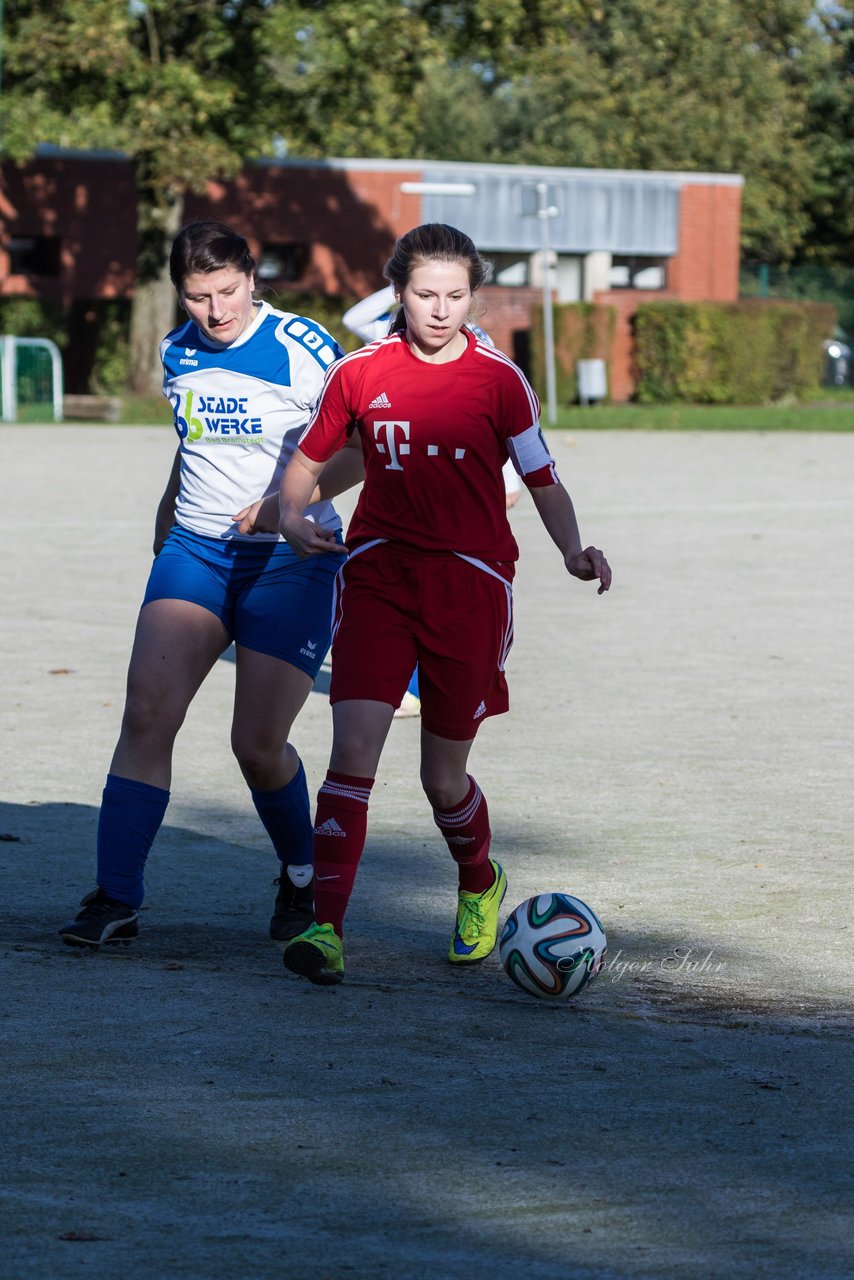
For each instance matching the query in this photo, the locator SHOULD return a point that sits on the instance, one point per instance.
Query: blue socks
(286, 815)
(131, 814)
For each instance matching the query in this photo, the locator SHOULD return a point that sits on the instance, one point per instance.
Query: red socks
(339, 837)
(466, 831)
(340, 828)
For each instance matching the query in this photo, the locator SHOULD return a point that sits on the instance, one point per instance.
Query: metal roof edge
(682, 177)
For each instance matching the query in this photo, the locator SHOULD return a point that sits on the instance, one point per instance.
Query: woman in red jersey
(428, 579)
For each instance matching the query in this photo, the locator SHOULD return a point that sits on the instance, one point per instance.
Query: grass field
(834, 411)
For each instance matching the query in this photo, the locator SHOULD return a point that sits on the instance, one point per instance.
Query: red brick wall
(705, 267)
(90, 204)
(505, 314)
(349, 221)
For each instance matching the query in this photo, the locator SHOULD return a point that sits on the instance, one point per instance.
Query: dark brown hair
(433, 242)
(207, 246)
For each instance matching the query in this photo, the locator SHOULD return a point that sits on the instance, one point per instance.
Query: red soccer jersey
(434, 440)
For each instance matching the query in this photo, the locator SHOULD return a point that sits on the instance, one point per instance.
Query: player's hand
(307, 538)
(589, 565)
(259, 517)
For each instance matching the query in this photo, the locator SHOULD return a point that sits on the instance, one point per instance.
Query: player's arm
(165, 517)
(298, 484)
(344, 470)
(362, 318)
(555, 509)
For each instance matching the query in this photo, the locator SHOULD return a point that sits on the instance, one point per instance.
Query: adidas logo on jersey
(481, 711)
(330, 828)
(381, 402)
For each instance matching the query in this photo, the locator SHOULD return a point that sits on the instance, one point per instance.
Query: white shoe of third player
(409, 706)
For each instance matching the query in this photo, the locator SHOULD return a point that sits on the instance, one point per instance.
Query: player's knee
(146, 716)
(257, 757)
(443, 790)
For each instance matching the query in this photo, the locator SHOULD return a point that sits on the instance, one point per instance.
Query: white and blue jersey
(239, 411)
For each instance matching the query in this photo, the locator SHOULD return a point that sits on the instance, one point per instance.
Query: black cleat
(294, 909)
(103, 919)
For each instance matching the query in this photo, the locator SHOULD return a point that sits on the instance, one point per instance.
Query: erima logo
(311, 651)
(381, 402)
(329, 828)
(481, 711)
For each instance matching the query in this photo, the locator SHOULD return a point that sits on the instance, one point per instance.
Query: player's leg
(360, 728)
(282, 624)
(269, 694)
(461, 814)
(175, 645)
(372, 659)
(460, 687)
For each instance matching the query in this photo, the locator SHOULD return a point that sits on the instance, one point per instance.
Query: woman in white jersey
(436, 411)
(242, 380)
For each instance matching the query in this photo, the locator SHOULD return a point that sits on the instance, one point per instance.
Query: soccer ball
(552, 946)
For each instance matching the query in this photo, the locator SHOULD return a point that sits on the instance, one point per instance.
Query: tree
(172, 83)
(657, 84)
(830, 125)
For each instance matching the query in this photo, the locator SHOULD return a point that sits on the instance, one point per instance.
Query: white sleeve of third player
(512, 483)
(369, 319)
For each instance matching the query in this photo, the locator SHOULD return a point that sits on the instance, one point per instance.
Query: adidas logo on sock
(381, 402)
(460, 839)
(330, 828)
(481, 711)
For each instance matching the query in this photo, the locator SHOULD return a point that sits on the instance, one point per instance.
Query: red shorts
(396, 607)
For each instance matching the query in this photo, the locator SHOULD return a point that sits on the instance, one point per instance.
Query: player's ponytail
(202, 247)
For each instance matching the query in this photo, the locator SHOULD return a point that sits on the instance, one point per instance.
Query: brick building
(68, 234)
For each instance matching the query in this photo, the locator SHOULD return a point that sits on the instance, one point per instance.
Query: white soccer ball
(552, 946)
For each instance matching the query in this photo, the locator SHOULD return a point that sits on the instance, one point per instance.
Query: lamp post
(544, 212)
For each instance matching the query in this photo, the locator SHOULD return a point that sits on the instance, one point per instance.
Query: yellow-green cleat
(477, 922)
(316, 954)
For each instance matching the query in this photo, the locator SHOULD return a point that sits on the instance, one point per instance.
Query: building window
(637, 273)
(511, 269)
(283, 262)
(34, 255)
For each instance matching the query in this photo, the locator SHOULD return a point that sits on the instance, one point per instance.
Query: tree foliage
(637, 84)
(192, 89)
(830, 128)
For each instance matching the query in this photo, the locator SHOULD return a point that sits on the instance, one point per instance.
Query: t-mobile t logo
(388, 441)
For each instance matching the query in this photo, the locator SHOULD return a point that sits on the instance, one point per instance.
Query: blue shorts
(266, 597)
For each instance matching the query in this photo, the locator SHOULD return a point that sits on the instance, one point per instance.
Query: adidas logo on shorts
(330, 828)
(381, 402)
(481, 711)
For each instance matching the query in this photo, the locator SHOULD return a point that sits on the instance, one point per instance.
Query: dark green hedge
(751, 352)
(583, 331)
